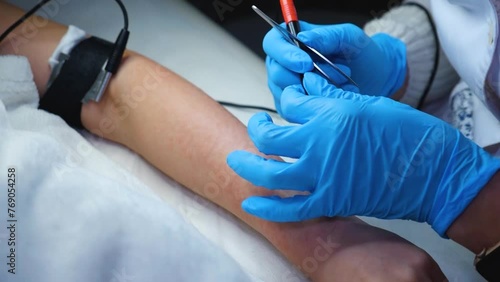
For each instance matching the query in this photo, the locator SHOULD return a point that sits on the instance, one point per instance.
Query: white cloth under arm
(80, 218)
(411, 25)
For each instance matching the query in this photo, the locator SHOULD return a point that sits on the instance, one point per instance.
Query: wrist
(462, 172)
(478, 227)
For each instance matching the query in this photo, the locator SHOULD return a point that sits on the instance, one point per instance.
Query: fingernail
(262, 116)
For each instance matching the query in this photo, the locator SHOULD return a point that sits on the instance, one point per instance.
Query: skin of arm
(187, 135)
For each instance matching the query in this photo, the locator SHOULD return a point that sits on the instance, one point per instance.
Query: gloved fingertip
(315, 84)
(231, 159)
(258, 206)
(248, 205)
(253, 206)
(233, 165)
(350, 88)
(257, 124)
(314, 78)
(260, 117)
(303, 62)
(297, 61)
(345, 69)
(296, 89)
(307, 36)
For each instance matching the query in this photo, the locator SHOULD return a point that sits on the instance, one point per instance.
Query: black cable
(23, 19)
(116, 56)
(247, 107)
(125, 14)
(436, 55)
(41, 4)
(120, 43)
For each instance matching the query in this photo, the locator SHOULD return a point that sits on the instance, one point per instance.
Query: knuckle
(411, 276)
(351, 27)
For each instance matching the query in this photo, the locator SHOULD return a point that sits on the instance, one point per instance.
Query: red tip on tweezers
(288, 10)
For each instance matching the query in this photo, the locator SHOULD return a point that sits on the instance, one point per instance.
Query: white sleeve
(411, 24)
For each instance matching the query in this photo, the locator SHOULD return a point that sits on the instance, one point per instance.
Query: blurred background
(237, 17)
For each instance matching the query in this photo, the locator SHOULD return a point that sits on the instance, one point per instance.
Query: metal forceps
(315, 55)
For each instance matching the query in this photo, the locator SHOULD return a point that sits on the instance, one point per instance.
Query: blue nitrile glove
(360, 155)
(377, 64)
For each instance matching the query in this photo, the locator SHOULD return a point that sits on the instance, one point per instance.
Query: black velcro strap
(65, 94)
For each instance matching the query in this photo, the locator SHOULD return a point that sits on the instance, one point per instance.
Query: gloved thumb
(297, 107)
(286, 54)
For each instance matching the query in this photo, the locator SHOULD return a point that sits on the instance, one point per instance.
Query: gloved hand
(377, 64)
(360, 155)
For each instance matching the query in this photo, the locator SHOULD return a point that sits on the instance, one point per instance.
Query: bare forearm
(184, 133)
(478, 227)
(34, 40)
(187, 135)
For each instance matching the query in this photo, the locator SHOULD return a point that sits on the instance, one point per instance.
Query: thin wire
(125, 14)
(23, 19)
(436, 55)
(41, 4)
(247, 107)
(125, 18)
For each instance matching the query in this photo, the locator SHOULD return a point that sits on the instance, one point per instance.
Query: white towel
(79, 216)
